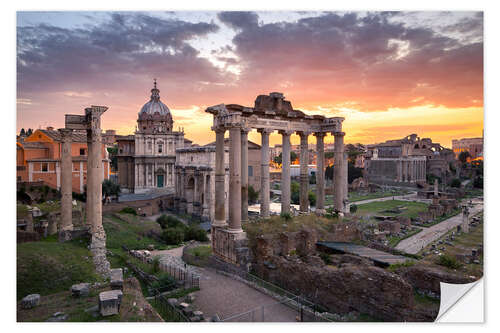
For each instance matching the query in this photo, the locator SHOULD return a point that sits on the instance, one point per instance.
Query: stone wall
(147, 207)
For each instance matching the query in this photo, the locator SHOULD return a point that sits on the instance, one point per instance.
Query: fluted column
(304, 174)
(320, 173)
(235, 179)
(264, 174)
(244, 175)
(66, 180)
(338, 184)
(285, 172)
(220, 175)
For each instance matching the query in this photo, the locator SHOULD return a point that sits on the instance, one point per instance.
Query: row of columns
(238, 175)
(411, 171)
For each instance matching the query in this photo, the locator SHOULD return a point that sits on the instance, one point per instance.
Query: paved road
(428, 235)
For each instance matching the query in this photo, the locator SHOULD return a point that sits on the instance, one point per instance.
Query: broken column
(304, 172)
(285, 172)
(320, 173)
(66, 185)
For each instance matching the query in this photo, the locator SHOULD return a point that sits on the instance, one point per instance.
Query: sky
(389, 74)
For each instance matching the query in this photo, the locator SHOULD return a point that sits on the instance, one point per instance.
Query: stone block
(109, 302)
(188, 311)
(117, 278)
(30, 301)
(80, 289)
(172, 301)
(183, 305)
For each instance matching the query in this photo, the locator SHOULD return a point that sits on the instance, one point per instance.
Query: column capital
(265, 131)
(285, 132)
(65, 133)
(245, 130)
(339, 134)
(320, 134)
(304, 133)
(218, 129)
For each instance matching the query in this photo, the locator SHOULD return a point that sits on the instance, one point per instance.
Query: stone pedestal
(230, 247)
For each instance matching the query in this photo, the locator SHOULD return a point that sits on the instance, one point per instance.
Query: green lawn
(409, 208)
(132, 231)
(47, 266)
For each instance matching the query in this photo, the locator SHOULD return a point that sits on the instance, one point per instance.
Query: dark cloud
(110, 53)
(368, 58)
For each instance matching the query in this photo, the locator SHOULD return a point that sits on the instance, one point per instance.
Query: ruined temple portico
(270, 113)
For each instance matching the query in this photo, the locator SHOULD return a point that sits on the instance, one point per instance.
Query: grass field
(47, 266)
(409, 209)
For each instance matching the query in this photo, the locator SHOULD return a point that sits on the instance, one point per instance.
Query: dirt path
(428, 235)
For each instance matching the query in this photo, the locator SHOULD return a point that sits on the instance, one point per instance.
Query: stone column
(220, 174)
(244, 175)
(94, 189)
(235, 179)
(345, 182)
(320, 173)
(338, 184)
(285, 172)
(264, 174)
(66, 180)
(304, 174)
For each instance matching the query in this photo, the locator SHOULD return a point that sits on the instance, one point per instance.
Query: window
(82, 151)
(45, 167)
(160, 148)
(150, 146)
(250, 171)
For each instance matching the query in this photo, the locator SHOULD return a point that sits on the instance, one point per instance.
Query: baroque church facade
(146, 160)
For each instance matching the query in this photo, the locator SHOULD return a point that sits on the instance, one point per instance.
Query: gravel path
(226, 297)
(428, 235)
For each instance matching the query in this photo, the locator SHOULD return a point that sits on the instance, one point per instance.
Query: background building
(39, 158)
(472, 145)
(146, 160)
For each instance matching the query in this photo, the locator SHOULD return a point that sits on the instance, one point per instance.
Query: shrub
(172, 222)
(455, 183)
(195, 233)
(156, 264)
(353, 208)
(478, 182)
(128, 210)
(253, 195)
(312, 198)
(449, 261)
(286, 216)
(165, 283)
(173, 236)
(326, 258)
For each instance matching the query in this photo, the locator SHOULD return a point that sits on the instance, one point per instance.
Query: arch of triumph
(270, 113)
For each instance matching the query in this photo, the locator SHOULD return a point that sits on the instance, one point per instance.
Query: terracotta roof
(33, 145)
(78, 136)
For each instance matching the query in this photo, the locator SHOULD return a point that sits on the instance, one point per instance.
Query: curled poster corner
(461, 303)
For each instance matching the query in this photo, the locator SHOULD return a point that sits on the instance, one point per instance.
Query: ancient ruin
(91, 122)
(270, 113)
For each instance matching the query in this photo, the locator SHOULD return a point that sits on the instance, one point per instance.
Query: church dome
(154, 105)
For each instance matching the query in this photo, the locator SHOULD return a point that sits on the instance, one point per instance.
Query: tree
(23, 132)
(253, 195)
(463, 156)
(295, 193)
(279, 159)
(113, 152)
(109, 188)
(312, 198)
(455, 183)
(29, 132)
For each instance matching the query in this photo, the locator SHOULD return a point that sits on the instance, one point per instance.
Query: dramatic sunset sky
(389, 74)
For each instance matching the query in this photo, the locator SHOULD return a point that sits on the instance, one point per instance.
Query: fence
(306, 311)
